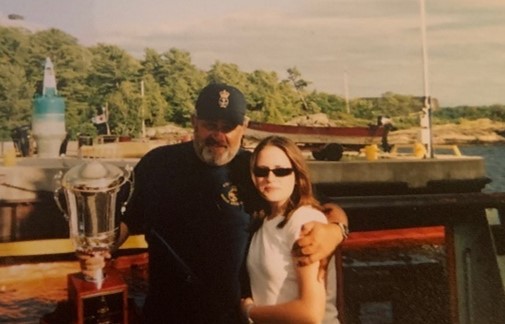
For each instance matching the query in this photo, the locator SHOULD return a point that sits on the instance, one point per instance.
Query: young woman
(282, 291)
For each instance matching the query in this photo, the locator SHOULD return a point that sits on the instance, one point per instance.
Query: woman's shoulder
(305, 214)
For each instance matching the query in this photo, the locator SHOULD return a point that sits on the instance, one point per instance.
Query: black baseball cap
(221, 101)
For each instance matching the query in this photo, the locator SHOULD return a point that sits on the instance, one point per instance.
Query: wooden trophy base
(92, 304)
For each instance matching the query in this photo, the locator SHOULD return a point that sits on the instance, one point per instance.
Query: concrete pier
(28, 210)
(400, 176)
(30, 176)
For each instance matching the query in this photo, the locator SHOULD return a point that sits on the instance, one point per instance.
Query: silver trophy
(91, 192)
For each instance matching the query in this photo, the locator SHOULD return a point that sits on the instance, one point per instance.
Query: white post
(426, 135)
(346, 91)
(142, 109)
(105, 111)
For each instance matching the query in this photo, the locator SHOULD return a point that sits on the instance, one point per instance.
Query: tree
(270, 100)
(153, 103)
(300, 84)
(68, 57)
(15, 90)
(15, 105)
(362, 108)
(179, 81)
(124, 109)
(110, 67)
(330, 104)
(13, 46)
(227, 73)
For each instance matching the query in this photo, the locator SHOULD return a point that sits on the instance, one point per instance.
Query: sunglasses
(262, 172)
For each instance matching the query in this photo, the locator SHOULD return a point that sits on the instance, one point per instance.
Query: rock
(320, 119)
(467, 132)
(171, 132)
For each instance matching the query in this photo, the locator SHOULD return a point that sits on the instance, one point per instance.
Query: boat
(326, 142)
(420, 239)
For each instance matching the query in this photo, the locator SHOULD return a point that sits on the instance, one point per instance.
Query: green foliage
(13, 46)
(227, 73)
(106, 75)
(15, 90)
(179, 82)
(327, 103)
(153, 104)
(300, 84)
(270, 100)
(110, 66)
(453, 115)
(125, 110)
(15, 105)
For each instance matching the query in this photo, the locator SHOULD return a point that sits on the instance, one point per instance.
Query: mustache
(209, 141)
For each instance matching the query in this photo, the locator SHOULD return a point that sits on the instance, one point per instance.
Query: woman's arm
(309, 307)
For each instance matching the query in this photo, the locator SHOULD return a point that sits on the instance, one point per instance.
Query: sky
(354, 48)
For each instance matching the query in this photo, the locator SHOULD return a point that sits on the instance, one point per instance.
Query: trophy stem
(97, 278)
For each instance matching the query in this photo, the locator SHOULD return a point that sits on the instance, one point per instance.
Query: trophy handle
(57, 193)
(129, 178)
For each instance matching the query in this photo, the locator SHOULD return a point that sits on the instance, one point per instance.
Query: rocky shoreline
(480, 131)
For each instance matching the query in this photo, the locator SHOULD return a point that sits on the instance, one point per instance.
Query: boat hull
(325, 143)
(345, 136)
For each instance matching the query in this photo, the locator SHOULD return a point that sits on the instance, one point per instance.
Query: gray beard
(206, 155)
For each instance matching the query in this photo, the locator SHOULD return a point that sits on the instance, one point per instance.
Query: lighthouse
(48, 118)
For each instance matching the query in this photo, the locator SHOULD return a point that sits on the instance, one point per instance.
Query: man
(191, 200)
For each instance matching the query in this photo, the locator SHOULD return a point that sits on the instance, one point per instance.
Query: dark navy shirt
(197, 211)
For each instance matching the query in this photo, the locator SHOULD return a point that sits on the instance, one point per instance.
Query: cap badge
(224, 100)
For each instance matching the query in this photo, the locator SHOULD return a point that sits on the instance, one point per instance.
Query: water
(493, 155)
(28, 292)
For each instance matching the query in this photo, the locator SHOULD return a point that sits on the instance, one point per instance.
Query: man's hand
(318, 241)
(91, 263)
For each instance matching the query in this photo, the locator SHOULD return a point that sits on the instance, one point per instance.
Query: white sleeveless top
(270, 264)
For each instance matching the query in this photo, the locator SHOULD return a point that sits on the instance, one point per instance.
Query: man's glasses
(262, 172)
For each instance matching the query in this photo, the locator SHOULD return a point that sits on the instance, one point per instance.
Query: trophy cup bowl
(91, 197)
(91, 193)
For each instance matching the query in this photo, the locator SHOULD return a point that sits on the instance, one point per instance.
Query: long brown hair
(302, 193)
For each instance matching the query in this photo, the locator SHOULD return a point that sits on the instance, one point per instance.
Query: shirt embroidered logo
(231, 197)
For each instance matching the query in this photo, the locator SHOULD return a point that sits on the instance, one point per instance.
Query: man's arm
(318, 241)
(335, 213)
